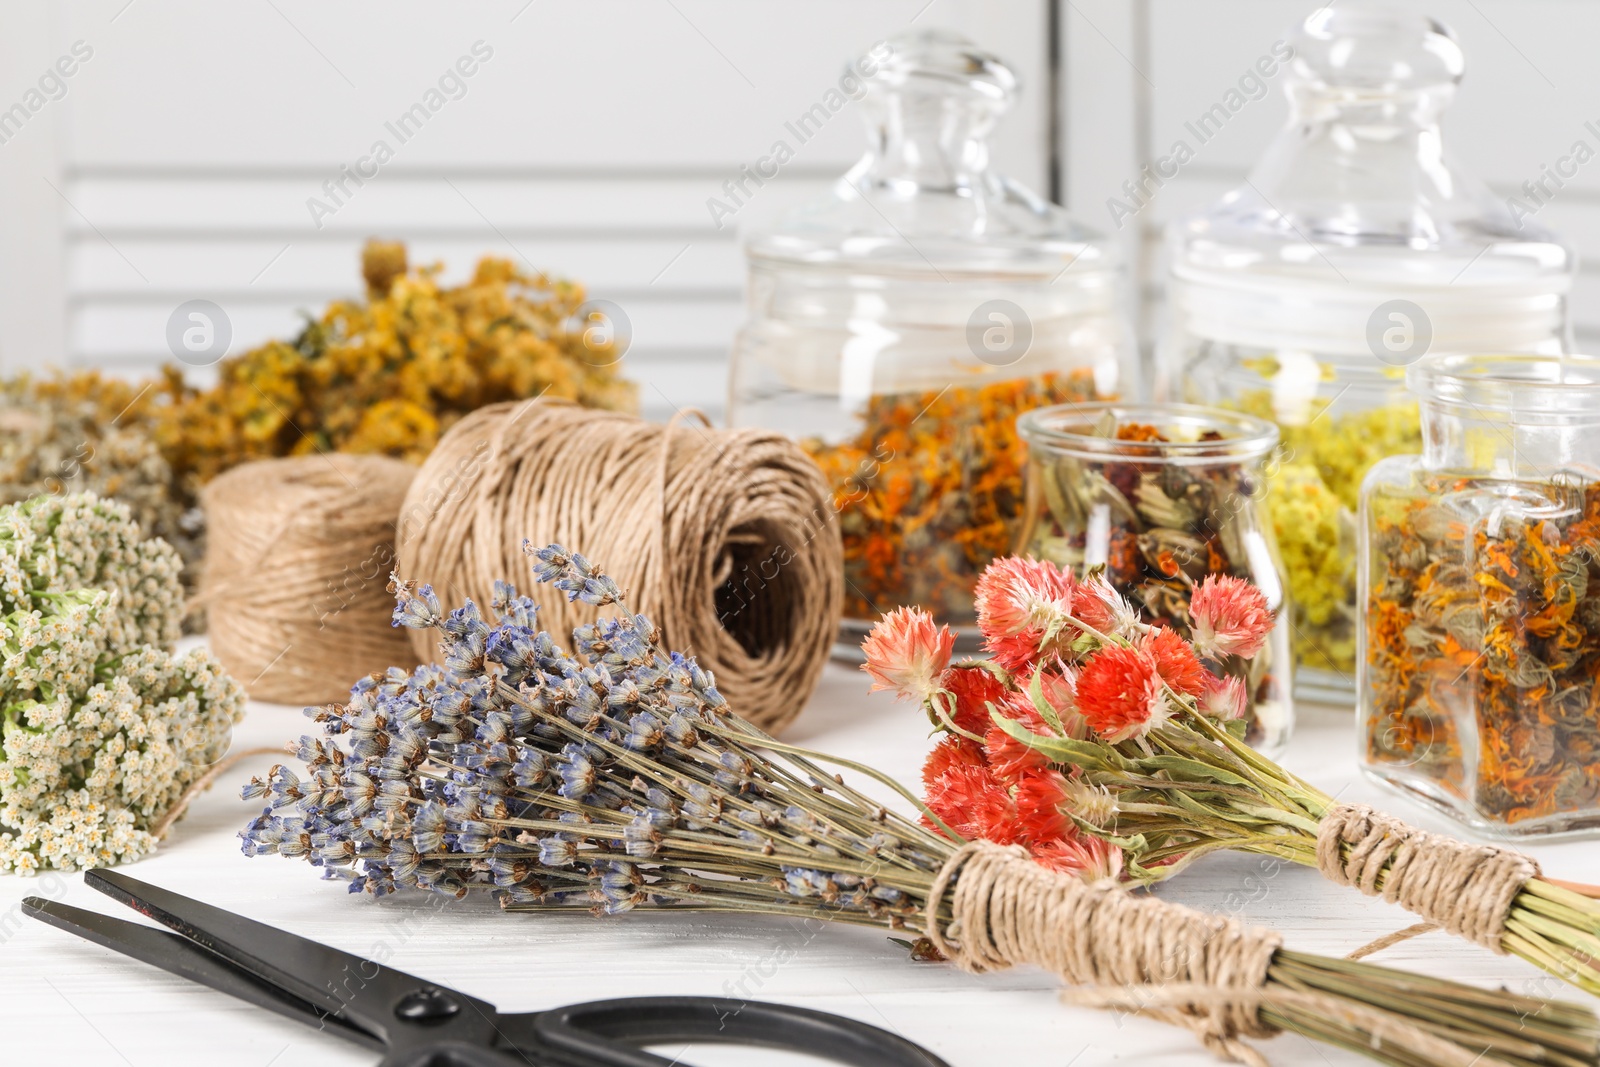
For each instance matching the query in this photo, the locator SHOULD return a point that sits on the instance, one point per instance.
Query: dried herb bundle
(390, 374)
(615, 778)
(1140, 748)
(102, 729)
(85, 433)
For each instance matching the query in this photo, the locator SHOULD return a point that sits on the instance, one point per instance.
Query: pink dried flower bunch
(1072, 662)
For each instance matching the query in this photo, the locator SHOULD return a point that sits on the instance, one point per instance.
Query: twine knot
(1201, 971)
(1465, 888)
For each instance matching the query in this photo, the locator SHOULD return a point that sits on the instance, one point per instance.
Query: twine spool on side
(295, 582)
(724, 538)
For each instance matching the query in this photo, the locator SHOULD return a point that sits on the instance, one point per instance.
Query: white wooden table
(65, 1001)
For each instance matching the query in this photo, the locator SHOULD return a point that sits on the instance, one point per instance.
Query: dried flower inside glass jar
(1158, 498)
(1480, 643)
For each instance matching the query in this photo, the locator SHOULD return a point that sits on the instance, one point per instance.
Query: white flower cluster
(101, 728)
(55, 544)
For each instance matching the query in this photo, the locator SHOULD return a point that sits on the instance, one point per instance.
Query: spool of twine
(295, 581)
(724, 538)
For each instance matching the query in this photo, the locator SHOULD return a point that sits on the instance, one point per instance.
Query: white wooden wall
(1136, 70)
(178, 163)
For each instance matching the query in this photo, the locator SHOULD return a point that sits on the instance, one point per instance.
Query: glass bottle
(1354, 246)
(899, 325)
(1480, 592)
(1160, 496)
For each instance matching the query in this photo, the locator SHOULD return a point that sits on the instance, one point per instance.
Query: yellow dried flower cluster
(392, 373)
(1312, 501)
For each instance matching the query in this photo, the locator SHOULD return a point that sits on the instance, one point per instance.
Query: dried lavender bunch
(609, 779)
(615, 777)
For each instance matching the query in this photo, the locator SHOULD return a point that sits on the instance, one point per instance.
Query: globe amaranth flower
(1224, 699)
(1041, 799)
(1021, 604)
(1100, 606)
(951, 752)
(1120, 694)
(907, 653)
(1174, 660)
(974, 803)
(970, 692)
(1229, 617)
(1091, 858)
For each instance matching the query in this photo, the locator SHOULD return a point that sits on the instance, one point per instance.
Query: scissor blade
(184, 958)
(353, 988)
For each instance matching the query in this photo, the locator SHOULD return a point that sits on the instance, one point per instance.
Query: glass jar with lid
(1480, 594)
(1157, 497)
(898, 326)
(1354, 246)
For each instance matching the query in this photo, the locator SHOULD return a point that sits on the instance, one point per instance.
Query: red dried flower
(1039, 796)
(1018, 602)
(906, 653)
(1229, 616)
(974, 804)
(951, 752)
(1120, 695)
(1086, 857)
(974, 689)
(1010, 758)
(1007, 756)
(1175, 661)
(1058, 684)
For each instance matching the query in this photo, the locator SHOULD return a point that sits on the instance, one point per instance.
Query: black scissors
(417, 1024)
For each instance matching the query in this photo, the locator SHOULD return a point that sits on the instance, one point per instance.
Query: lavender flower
(610, 778)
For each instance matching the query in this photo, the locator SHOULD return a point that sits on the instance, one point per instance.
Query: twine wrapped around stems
(1464, 888)
(1205, 972)
(726, 538)
(296, 572)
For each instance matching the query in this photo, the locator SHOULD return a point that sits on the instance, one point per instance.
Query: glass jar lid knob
(929, 109)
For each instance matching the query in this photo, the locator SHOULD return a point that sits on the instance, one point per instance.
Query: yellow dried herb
(391, 373)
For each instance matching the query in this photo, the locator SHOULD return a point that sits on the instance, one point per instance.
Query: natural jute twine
(1008, 910)
(1135, 953)
(296, 572)
(1466, 889)
(724, 538)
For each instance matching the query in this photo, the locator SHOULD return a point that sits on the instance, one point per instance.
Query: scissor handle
(452, 1054)
(609, 1033)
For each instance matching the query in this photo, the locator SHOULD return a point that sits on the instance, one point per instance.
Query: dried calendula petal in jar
(1156, 499)
(929, 491)
(1480, 588)
(1483, 643)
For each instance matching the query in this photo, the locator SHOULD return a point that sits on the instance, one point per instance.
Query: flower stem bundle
(615, 777)
(1097, 741)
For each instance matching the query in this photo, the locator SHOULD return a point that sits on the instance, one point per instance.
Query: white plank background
(587, 146)
(65, 1001)
(1138, 69)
